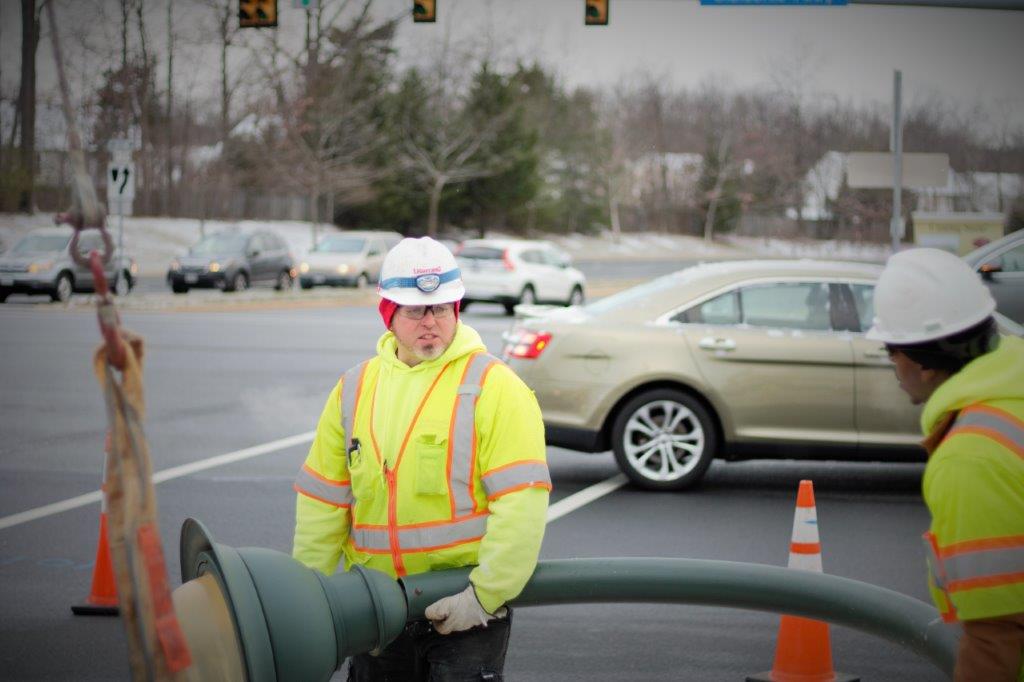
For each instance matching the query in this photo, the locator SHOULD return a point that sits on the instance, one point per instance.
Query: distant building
(967, 191)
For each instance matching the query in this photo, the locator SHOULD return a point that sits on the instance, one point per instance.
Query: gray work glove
(458, 612)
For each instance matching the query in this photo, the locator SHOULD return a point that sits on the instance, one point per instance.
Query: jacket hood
(998, 375)
(466, 341)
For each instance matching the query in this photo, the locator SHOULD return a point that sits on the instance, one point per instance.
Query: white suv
(512, 271)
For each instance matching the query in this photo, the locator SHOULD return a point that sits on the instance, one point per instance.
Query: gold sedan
(736, 360)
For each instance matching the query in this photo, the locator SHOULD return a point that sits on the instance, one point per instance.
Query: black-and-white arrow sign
(121, 180)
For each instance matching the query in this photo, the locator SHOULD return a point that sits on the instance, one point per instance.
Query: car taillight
(527, 345)
(507, 260)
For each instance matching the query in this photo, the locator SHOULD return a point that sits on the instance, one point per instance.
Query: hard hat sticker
(428, 283)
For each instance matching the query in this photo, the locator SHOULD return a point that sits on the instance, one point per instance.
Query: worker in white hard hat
(934, 316)
(429, 456)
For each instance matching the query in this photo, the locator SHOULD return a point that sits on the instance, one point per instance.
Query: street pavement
(219, 382)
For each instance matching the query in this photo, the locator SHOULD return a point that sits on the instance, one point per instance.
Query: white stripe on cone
(805, 531)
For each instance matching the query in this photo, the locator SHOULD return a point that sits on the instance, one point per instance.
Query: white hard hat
(925, 295)
(420, 272)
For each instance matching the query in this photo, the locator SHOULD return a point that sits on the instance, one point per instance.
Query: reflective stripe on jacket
(974, 488)
(463, 482)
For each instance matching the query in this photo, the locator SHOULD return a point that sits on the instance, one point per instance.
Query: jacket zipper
(396, 554)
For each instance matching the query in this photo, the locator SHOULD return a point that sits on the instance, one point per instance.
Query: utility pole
(896, 147)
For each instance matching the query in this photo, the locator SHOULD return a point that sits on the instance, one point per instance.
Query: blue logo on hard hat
(428, 283)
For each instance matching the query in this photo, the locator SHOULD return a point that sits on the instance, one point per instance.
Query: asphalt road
(220, 382)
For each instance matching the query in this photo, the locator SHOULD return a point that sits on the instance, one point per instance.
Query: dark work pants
(420, 654)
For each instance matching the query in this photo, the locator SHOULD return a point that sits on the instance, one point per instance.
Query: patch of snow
(153, 241)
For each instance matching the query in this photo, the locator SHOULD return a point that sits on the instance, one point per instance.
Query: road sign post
(896, 230)
(120, 191)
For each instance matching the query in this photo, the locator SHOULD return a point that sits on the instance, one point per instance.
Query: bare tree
(323, 132)
(27, 103)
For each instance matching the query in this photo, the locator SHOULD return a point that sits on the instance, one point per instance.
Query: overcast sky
(971, 57)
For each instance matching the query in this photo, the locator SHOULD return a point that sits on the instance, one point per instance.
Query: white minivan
(513, 271)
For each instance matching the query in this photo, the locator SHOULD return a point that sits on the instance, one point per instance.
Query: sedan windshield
(340, 245)
(637, 295)
(220, 243)
(41, 243)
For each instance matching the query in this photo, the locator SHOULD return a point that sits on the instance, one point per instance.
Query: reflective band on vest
(466, 523)
(312, 484)
(463, 434)
(986, 563)
(1002, 427)
(421, 538)
(938, 573)
(516, 476)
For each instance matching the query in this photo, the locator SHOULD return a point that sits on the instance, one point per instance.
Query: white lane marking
(158, 477)
(555, 511)
(585, 496)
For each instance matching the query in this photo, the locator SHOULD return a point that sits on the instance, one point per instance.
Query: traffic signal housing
(257, 13)
(596, 12)
(424, 11)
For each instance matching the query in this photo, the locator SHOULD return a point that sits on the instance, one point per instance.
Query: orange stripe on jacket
(521, 486)
(1006, 542)
(986, 581)
(295, 486)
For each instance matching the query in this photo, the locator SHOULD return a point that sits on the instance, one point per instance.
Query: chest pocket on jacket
(431, 455)
(366, 475)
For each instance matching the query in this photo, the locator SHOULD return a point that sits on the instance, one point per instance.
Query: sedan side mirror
(253, 253)
(989, 269)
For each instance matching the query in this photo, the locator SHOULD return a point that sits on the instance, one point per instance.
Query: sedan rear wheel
(664, 439)
(576, 297)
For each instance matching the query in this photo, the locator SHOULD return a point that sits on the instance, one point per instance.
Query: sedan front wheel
(664, 439)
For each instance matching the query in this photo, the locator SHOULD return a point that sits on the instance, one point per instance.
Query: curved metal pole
(893, 616)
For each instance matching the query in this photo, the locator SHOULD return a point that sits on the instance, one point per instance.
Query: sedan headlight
(175, 265)
(342, 269)
(213, 267)
(40, 266)
(304, 268)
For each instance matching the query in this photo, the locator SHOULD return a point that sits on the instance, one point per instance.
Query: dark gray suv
(233, 261)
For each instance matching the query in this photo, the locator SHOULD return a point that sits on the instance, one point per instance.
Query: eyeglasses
(418, 312)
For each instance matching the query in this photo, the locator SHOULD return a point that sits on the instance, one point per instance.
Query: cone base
(95, 610)
(770, 677)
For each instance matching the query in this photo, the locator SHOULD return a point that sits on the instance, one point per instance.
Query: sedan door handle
(877, 354)
(712, 343)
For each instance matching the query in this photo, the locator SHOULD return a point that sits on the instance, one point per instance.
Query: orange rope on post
(157, 649)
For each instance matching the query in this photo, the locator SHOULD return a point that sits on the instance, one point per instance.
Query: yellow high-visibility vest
(465, 485)
(974, 487)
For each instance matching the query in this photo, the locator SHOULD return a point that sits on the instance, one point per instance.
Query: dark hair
(951, 353)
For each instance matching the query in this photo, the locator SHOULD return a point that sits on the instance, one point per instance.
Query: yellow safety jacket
(422, 468)
(974, 487)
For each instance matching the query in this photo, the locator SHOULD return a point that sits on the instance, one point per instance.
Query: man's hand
(458, 612)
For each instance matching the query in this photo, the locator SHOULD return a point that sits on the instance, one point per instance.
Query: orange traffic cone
(102, 599)
(803, 652)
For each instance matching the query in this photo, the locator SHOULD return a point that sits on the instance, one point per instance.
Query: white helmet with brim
(420, 272)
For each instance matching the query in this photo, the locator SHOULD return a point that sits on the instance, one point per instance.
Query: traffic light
(257, 13)
(596, 12)
(424, 11)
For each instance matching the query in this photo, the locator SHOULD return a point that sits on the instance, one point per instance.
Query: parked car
(346, 259)
(1001, 266)
(735, 360)
(41, 263)
(233, 261)
(512, 271)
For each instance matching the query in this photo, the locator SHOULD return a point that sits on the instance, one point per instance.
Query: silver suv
(41, 263)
